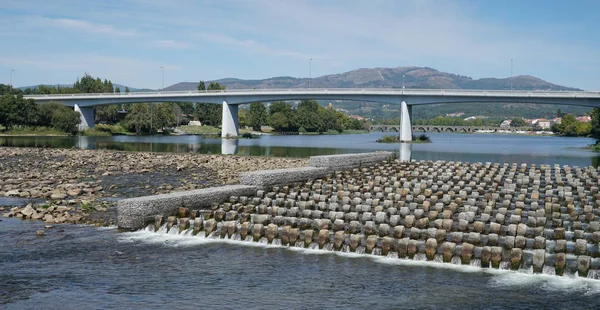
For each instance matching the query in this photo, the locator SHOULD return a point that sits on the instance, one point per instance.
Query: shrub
(389, 139)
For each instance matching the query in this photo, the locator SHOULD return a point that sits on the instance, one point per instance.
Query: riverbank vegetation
(571, 127)
(423, 138)
(20, 116)
(23, 116)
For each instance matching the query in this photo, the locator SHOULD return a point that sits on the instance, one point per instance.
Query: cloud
(261, 38)
(169, 44)
(77, 25)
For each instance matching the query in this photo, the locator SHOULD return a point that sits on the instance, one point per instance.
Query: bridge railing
(382, 91)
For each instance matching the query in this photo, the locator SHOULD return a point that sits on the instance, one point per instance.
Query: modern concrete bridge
(404, 98)
(440, 128)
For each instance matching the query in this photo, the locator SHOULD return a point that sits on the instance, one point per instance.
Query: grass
(594, 147)
(354, 131)
(93, 132)
(34, 131)
(200, 130)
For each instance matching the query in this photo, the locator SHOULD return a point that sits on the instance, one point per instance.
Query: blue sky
(128, 41)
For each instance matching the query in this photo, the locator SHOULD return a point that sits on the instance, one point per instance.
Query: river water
(446, 146)
(84, 267)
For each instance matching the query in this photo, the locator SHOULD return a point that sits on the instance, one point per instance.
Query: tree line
(16, 111)
(281, 116)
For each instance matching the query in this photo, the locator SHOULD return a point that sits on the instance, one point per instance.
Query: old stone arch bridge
(440, 128)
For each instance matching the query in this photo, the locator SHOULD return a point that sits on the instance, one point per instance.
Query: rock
(430, 248)
(538, 260)
(355, 241)
(28, 211)
(11, 193)
(74, 192)
(449, 250)
(323, 238)
(580, 247)
(516, 255)
(40, 233)
(584, 263)
(58, 196)
(48, 218)
(467, 253)
(338, 240)
(210, 226)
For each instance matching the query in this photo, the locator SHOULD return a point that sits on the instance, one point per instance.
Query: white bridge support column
(87, 117)
(229, 127)
(405, 152)
(405, 122)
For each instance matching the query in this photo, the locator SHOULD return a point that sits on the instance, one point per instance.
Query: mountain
(411, 77)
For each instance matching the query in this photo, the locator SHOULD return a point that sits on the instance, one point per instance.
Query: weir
(532, 219)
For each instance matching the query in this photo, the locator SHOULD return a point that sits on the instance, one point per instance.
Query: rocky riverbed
(81, 186)
(541, 219)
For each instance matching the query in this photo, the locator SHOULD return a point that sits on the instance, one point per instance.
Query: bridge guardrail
(382, 91)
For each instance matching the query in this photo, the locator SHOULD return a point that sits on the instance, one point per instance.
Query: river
(84, 267)
(531, 149)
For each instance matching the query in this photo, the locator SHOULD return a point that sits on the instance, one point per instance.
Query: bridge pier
(87, 117)
(229, 127)
(405, 122)
(405, 152)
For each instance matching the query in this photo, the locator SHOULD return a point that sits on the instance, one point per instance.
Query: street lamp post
(309, 72)
(10, 80)
(511, 75)
(403, 81)
(162, 85)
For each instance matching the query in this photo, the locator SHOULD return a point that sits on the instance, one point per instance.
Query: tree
(138, 119)
(279, 121)
(177, 114)
(66, 120)
(45, 112)
(87, 84)
(257, 115)
(243, 119)
(126, 90)
(595, 124)
(163, 117)
(215, 86)
(209, 114)
(117, 90)
(518, 122)
(107, 113)
(201, 86)
(187, 108)
(307, 116)
(309, 105)
(279, 106)
(15, 110)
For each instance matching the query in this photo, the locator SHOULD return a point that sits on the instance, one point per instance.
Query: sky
(141, 43)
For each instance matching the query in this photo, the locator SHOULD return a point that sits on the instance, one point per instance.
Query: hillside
(413, 77)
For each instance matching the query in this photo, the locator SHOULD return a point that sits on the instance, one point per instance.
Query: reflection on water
(444, 146)
(229, 146)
